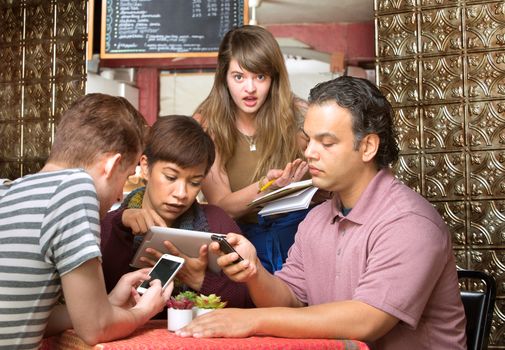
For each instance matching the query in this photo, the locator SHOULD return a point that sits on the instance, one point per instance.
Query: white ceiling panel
(313, 11)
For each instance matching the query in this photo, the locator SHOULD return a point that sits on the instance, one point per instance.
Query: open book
(295, 196)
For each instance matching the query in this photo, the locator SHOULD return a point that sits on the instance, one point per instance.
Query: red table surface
(155, 336)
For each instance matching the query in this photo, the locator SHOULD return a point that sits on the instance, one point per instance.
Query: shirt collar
(368, 200)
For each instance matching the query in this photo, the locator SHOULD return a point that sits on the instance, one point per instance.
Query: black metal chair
(478, 308)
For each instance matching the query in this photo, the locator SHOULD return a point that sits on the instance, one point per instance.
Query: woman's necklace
(251, 141)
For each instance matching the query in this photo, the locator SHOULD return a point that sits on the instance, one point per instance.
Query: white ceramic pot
(200, 311)
(177, 319)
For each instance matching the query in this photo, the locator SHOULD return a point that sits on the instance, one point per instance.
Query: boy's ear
(369, 147)
(144, 167)
(112, 163)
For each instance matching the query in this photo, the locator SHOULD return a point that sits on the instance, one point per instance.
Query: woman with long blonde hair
(254, 120)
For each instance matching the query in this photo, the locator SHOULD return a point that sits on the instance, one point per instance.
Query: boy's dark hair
(179, 139)
(370, 110)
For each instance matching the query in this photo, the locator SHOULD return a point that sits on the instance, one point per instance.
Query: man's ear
(369, 147)
(112, 163)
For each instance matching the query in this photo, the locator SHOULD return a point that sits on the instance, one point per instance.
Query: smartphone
(164, 270)
(225, 246)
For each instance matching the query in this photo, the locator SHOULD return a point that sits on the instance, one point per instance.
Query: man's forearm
(349, 319)
(267, 290)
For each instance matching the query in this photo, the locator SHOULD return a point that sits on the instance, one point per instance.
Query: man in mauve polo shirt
(374, 263)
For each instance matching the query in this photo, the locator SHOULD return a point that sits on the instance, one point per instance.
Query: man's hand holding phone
(226, 247)
(240, 262)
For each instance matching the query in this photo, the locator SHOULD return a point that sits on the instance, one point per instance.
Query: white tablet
(187, 241)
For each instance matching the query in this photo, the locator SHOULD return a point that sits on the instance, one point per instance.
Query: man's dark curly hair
(370, 110)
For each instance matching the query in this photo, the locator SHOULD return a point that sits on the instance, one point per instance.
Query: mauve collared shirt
(392, 251)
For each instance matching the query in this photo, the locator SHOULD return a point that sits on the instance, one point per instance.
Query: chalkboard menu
(167, 28)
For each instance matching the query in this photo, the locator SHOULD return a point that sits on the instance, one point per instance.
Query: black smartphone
(225, 246)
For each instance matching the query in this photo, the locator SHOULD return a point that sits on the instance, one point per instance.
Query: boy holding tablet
(178, 156)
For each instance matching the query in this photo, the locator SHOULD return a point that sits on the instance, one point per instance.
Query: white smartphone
(165, 270)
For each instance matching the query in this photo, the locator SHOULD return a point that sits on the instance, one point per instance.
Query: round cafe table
(155, 336)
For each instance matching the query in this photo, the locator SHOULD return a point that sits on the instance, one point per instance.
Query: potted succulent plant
(207, 303)
(187, 295)
(191, 296)
(180, 310)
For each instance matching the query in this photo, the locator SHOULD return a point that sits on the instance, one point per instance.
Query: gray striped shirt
(49, 225)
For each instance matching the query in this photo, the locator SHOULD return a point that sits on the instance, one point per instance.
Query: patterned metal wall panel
(408, 125)
(487, 174)
(484, 26)
(10, 56)
(443, 128)
(384, 6)
(454, 214)
(442, 79)
(487, 223)
(42, 71)
(398, 35)
(441, 63)
(486, 124)
(441, 30)
(485, 75)
(12, 22)
(444, 176)
(399, 82)
(9, 145)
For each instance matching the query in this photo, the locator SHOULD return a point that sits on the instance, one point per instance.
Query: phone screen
(163, 271)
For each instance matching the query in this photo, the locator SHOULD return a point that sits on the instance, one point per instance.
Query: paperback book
(295, 196)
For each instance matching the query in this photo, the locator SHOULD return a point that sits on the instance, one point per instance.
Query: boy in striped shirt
(49, 232)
